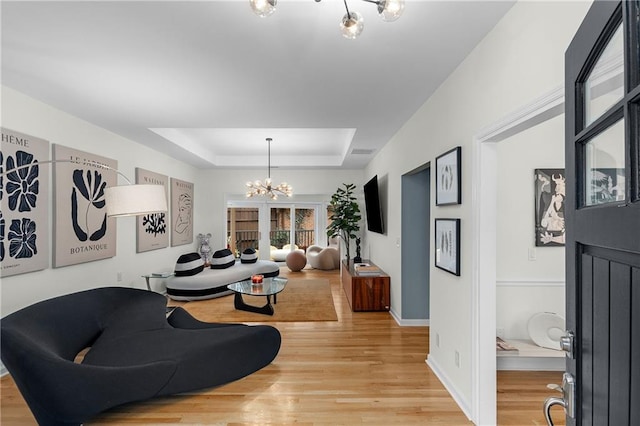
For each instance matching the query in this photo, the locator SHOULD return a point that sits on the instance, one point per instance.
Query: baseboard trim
(444, 379)
(409, 322)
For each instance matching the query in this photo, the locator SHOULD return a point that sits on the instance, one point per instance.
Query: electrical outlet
(119, 276)
(437, 340)
(457, 358)
(533, 256)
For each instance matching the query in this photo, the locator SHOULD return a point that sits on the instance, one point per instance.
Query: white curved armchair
(326, 258)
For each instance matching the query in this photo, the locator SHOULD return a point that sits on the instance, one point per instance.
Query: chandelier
(352, 23)
(266, 187)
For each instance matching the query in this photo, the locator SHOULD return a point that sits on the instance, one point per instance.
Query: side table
(156, 275)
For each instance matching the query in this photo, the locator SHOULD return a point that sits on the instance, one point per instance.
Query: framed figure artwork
(549, 201)
(604, 185)
(82, 231)
(181, 212)
(447, 245)
(152, 230)
(448, 177)
(24, 203)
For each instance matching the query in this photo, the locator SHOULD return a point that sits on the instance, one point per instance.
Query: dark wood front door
(602, 212)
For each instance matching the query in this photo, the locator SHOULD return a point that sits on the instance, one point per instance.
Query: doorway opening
(484, 239)
(416, 196)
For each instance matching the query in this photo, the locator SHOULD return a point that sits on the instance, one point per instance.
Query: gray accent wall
(416, 193)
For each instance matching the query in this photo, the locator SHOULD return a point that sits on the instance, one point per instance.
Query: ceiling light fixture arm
(269, 159)
(380, 3)
(347, 8)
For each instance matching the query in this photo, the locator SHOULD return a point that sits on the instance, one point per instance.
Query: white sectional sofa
(211, 283)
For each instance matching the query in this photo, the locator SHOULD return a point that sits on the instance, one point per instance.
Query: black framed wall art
(448, 177)
(549, 201)
(447, 245)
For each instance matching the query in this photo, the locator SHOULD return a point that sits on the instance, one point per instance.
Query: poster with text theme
(181, 212)
(82, 231)
(152, 230)
(24, 204)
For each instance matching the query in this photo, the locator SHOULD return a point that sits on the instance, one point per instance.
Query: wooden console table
(365, 292)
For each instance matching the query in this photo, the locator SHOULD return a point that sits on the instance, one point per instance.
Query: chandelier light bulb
(263, 8)
(390, 10)
(351, 25)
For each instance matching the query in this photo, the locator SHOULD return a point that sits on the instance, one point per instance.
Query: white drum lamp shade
(133, 200)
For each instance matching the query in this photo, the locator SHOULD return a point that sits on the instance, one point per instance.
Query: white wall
(212, 187)
(518, 61)
(526, 285)
(24, 114)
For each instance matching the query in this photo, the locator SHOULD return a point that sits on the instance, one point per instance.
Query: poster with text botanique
(82, 230)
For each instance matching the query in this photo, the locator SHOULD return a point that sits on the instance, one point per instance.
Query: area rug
(301, 300)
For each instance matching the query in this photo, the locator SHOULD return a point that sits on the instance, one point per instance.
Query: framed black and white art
(24, 203)
(447, 247)
(82, 231)
(152, 230)
(549, 202)
(181, 212)
(448, 177)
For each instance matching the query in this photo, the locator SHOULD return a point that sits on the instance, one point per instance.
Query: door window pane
(242, 229)
(605, 85)
(280, 231)
(305, 228)
(605, 166)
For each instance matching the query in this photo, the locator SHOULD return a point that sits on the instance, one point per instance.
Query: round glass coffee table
(269, 287)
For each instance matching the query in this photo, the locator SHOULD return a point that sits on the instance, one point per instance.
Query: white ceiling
(207, 81)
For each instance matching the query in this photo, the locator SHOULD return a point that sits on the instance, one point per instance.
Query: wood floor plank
(361, 369)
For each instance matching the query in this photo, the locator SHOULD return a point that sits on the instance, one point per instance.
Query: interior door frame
(484, 180)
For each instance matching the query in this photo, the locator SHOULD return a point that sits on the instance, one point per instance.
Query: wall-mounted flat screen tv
(372, 206)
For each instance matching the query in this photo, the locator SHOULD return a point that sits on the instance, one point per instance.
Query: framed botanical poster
(447, 235)
(448, 177)
(152, 230)
(549, 201)
(82, 231)
(24, 203)
(181, 212)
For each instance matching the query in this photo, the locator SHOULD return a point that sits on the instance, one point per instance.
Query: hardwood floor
(361, 369)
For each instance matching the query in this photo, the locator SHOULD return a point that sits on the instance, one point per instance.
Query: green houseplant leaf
(345, 219)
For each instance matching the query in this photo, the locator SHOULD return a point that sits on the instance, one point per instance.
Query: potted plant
(345, 219)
